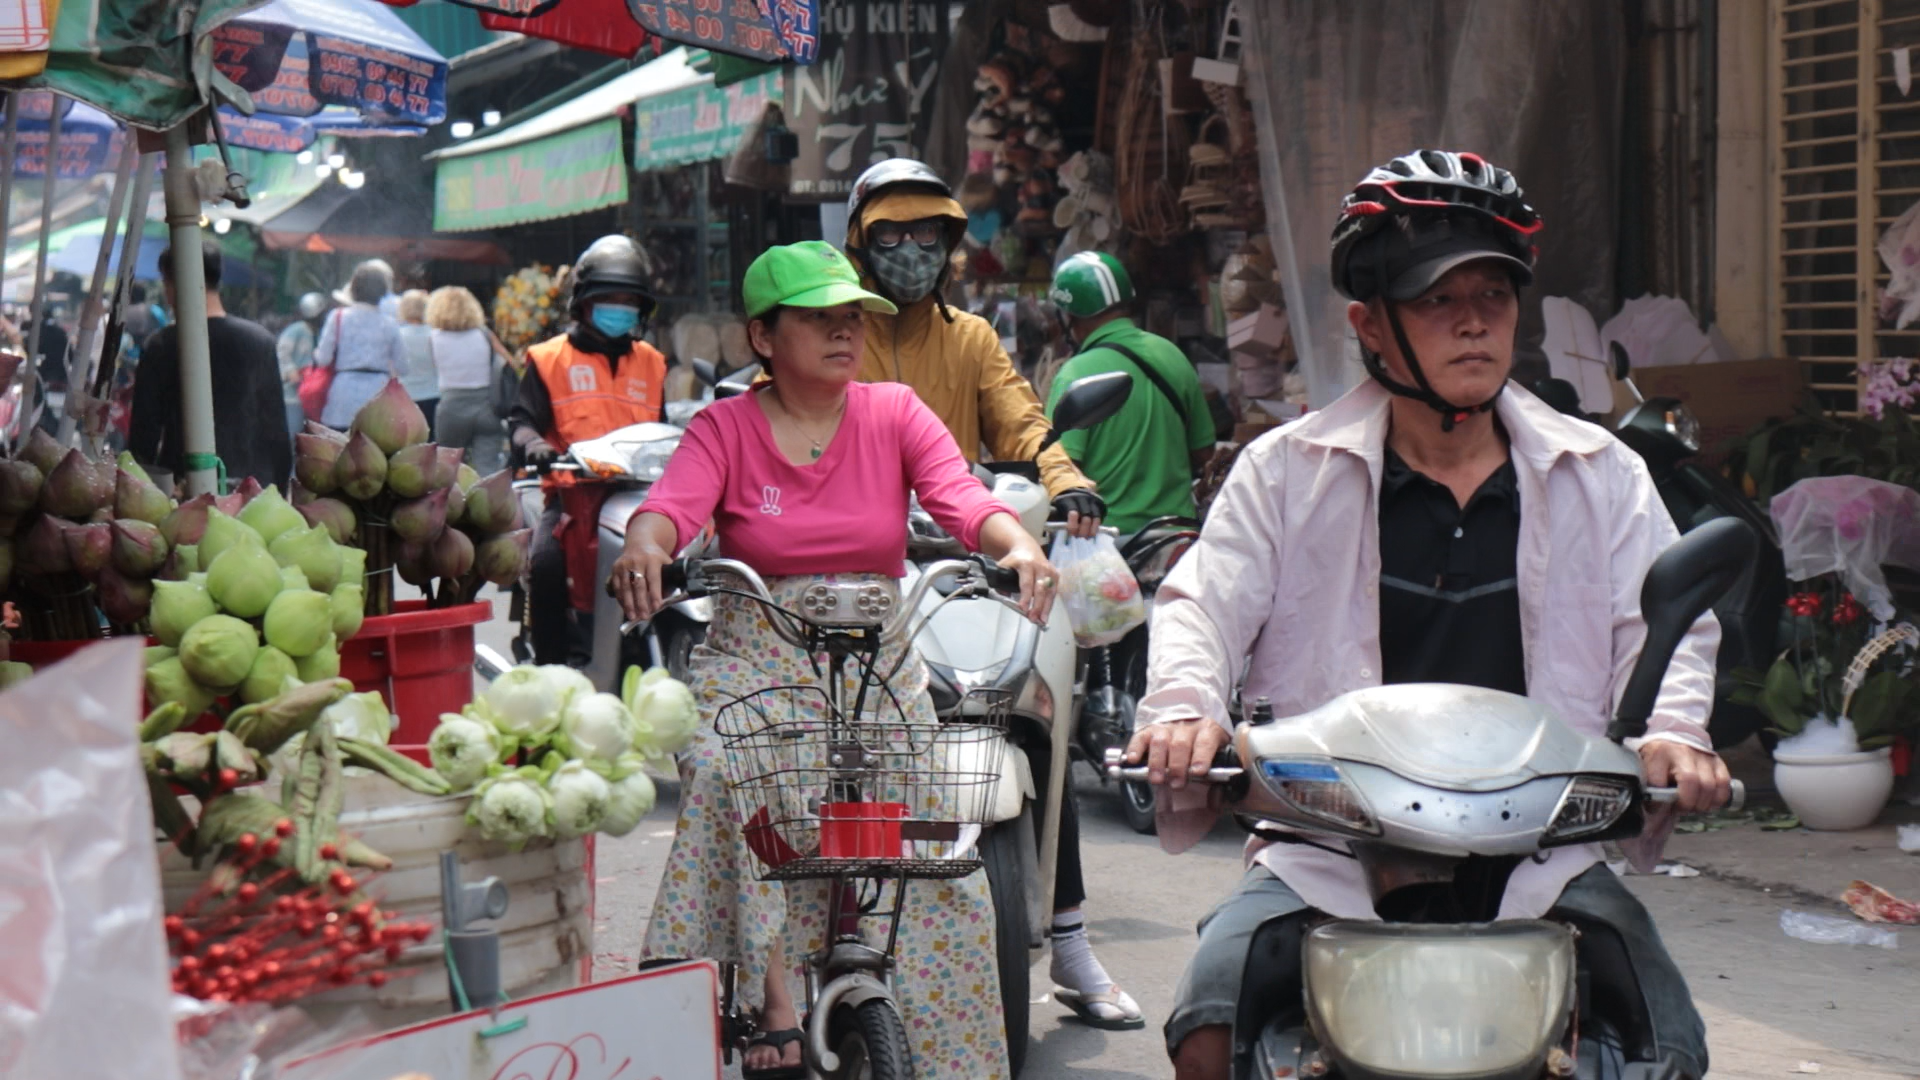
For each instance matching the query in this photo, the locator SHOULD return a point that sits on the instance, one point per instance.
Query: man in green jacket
(1144, 458)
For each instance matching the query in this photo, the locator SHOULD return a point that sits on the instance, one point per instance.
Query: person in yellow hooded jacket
(902, 226)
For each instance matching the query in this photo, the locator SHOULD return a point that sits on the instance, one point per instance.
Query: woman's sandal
(1111, 1010)
(777, 1040)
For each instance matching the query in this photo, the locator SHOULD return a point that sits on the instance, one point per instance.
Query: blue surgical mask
(615, 320)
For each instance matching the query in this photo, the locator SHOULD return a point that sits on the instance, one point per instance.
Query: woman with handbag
(360, 349)
(465, 354)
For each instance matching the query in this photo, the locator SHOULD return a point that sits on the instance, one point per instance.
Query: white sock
(1074, 965)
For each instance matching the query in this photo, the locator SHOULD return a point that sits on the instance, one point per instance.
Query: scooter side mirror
(1560, 394)
(1088, 402)
(1622, 367)
(704, 371)
(737, 383)
(1681, 585)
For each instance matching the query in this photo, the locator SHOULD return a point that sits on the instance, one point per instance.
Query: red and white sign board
(24, 26)
(658, 1025)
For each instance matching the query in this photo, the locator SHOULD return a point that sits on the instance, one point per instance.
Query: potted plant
(1838, 696)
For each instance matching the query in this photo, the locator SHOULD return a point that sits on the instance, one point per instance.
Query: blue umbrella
(266, 131)
(347, 124)
(89, 143)
(355, 53)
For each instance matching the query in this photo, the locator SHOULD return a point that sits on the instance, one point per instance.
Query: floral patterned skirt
(712, 904)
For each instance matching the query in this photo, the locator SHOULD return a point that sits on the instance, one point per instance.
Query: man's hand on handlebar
(1699, 776)
(1176, 750)
(539, 454)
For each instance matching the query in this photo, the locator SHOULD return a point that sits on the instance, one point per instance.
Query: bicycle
(853, 793)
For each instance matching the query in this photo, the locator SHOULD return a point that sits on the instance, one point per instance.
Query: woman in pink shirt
(805, 479)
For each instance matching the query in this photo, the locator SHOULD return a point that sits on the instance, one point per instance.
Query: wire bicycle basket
(823, 792)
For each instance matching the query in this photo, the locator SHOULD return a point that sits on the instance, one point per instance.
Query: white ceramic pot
(1835, 792)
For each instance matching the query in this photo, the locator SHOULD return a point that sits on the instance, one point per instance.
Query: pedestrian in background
(422, 384)
(294, 348)
(245, 376)
(466, 355)
(361, 345)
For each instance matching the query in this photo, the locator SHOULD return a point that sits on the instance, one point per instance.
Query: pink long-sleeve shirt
(844, 513)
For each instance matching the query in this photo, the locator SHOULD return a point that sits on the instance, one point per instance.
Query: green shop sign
(699, 123)
(552, 177)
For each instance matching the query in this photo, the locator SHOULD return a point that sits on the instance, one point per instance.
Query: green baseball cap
(810, 274)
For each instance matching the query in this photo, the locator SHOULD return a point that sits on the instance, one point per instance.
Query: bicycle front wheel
(871, 1042)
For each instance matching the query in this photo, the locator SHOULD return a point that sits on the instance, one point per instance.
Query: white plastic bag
(85, 989)
(1852, 526)
(1100, 594)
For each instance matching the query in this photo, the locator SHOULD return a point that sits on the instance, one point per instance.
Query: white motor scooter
(982, 644)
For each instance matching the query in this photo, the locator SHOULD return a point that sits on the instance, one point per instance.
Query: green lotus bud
(139, 550)
(299, 621)
(314, 552)
(299, 494)
(421, 520)
(492, 505)
(135, 498)
(42, 450)
(168, 681)
(321, 663)
(456, 505)
(361, 470)
(76, 488)
(323, 431)
(334, 516)
(268, 676)
(188, 522)
(348, 607)
(353, 566)
(218, 651)
(313, 458)
(43, 549)
(178, 605)
(503, 559)
(156, 653)
(123, 600)
(410, 470)
(391, 420)
(465, 477)
(451, 555)
(223, 532)
(19, 486)
(270, 515)
(181, 561)
(13, 671)
(244, 580)
(126, 464)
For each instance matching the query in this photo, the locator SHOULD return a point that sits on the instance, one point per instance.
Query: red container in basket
(861, 830)
(420, 659)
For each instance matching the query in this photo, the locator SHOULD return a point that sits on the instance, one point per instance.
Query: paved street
(1771, 1002)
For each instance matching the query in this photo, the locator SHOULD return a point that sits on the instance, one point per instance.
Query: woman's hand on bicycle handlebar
(636, 573)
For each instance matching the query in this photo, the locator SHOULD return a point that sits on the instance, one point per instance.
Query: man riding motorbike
(1146, 455)
(902, 225)
(1433, 525)
(596, 377)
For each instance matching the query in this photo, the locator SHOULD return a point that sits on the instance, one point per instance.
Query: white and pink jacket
(1284, 584)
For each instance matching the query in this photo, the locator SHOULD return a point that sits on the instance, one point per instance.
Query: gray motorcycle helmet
(313, 305)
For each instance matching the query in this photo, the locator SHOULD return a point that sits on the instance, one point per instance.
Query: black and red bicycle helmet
(1408, 222)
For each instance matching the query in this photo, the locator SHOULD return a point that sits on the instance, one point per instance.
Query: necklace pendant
(816, 453)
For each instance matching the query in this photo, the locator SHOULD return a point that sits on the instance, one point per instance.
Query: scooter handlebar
(1736, 799)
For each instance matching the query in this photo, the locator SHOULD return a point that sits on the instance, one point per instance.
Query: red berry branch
(260, 942)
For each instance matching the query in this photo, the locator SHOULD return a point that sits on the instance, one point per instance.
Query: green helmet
(1089, 283)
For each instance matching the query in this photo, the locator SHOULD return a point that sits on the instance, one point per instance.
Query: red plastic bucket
(420, 659)
(861, 830)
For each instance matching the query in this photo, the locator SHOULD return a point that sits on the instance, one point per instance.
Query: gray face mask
(907, 270)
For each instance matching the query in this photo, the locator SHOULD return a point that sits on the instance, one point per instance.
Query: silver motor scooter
(1438, 792)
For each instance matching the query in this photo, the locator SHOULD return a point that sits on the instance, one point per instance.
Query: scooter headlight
(1590, 805)
(1684, 426)
(1318, 789)
(650, 459)
(1439, 1001)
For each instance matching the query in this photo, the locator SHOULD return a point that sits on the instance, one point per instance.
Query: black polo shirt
(1449, 591)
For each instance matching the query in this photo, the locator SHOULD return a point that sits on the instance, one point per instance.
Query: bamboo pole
(80, 357)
